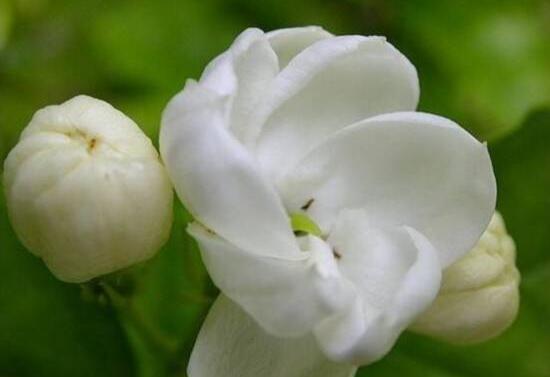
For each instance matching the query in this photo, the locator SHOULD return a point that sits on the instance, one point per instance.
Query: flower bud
(479, 297)
(86, 191)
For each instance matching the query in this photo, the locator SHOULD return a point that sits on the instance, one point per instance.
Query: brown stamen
(308, 204)
(91, 144)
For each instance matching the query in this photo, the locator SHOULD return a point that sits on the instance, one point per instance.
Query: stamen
(91, 144)
(308, 204)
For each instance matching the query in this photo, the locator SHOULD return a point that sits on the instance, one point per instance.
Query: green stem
(137, 319)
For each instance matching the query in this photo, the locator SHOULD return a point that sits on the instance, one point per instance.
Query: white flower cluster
(331, 214)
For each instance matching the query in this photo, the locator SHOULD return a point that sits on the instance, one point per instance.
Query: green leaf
(522, 167)
(174, 294)
(483, 64)
(46, 328)
(160, 44)
(5, 22)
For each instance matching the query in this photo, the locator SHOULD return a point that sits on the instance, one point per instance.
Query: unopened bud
(479, 297)
(86, 191)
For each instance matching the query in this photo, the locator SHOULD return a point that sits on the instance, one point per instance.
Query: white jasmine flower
(479, 296)
(299, 128)
(86, 191)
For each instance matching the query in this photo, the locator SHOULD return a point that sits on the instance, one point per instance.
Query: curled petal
(329, 85)
(217, 179)
(243, 73)
(407, 168)
(231, 344)
(289, 42)
(396, 273)
(286, 297)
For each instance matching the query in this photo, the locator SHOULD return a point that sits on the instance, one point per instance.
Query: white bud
(86, 191)
(479, 297)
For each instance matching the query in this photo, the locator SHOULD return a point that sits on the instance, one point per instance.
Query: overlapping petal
(231, 344)
(243, 73)
(329, 85)
(217, 179)
(289, 42)
(397, 275)
(287, 297)
(408, 168)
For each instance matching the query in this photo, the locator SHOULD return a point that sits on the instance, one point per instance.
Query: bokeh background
(485, 64)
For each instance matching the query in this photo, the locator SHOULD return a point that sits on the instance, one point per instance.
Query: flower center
(303, 225)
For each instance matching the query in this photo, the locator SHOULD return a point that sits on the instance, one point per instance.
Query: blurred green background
(485, 64)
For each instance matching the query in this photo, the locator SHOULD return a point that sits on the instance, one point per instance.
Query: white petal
(287, 297)
(397, 274)
(410, 169)
(216, 178)
(244, 72)
(230, 344)
(219, 75)
(331, 84)
(289, 42)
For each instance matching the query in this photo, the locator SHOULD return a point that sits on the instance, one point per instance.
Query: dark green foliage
(46, 328)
